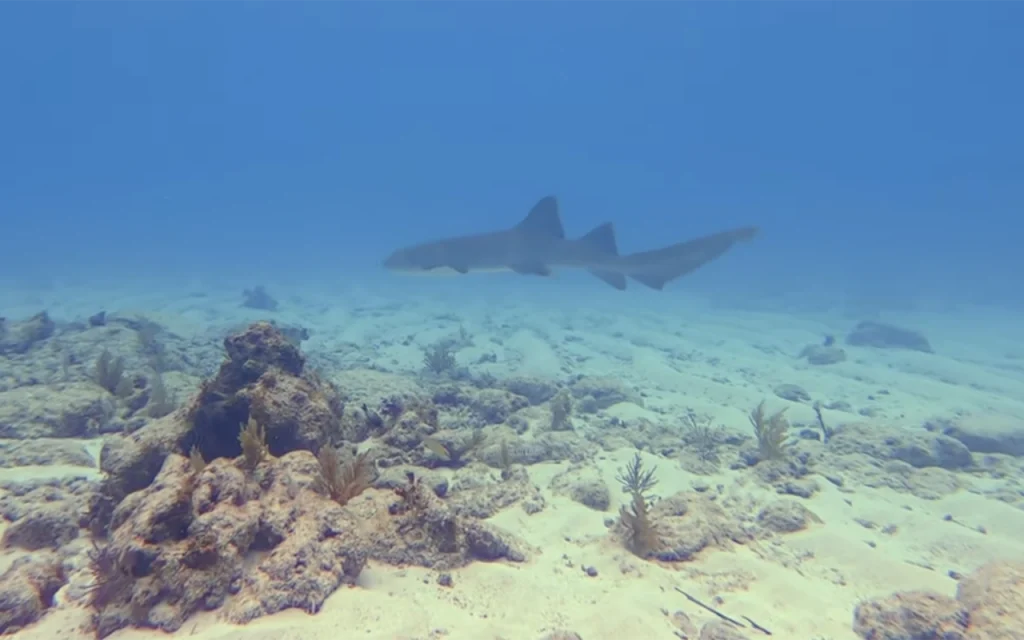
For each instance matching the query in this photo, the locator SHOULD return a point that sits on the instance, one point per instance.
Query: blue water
(158, 157)
(878, 145)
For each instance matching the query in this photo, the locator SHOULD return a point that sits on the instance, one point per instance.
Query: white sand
(681, 353)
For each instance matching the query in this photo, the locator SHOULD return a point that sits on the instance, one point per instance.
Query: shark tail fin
(691, 256)
(613, 278)
(543, 220)
(744, 234)
(652, 280)
(601, 240)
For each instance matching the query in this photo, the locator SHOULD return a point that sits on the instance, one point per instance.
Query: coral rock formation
(989, 605)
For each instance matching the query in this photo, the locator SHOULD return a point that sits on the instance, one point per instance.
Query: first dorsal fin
(543, 220)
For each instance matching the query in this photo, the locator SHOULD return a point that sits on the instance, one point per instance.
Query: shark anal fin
(531, 269)
(613, 278)
(652, 280)
(543, 220)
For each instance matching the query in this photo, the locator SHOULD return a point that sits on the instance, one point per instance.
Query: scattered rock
(20, 337)
(917, 448)
(478, 495)
(988, 433)
(583, 485)
(792, 392)
(594, 393)
(989, 606)
(535, 390)
(720, 630)
(994, 600)
(687, 523)
(786, 516)
(71, 410)
(683, 624)
(43, 452)
(562, 635)
(45, 527)
(258, 298)
(910, 615)
(27, 589)
(887, 336)
(494, 406)
(932, 483)
(818, 354)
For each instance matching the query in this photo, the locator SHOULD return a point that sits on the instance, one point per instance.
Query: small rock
(27, 589)
(988, 433)
(786, 516)
(720, 630)
(584, 486)
(821, 355)
(910, 614)
(48, 527)
(887, 336)
(792, 392)
(562, 635)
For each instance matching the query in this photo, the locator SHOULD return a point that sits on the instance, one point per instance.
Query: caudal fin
(543, 220)
(658, 267)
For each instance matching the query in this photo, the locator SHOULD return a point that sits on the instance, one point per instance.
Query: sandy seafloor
(678, 351)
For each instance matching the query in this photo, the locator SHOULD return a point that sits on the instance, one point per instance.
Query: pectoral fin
(531, 269)
(616, 280)
(652, 280)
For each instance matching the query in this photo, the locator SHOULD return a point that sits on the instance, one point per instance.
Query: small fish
(437, 447)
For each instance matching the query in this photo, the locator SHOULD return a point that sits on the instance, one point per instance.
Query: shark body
(537, 245)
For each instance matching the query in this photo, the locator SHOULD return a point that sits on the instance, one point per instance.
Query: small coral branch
(635, 479)
(771, 432)
(561, 411)
(253, 438)
(109, 374)
(699, 434)
(639, 534)
(439, 358)
(342, 482)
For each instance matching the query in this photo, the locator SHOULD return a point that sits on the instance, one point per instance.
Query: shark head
(409, 259)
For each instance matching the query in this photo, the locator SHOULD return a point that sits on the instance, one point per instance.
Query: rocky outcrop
(20, 337)
(989, 605)
(69, 410)
(262, 378)
(250, 542)
(27, 589)
(919, 449)
(987, 433)
(679, 527)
